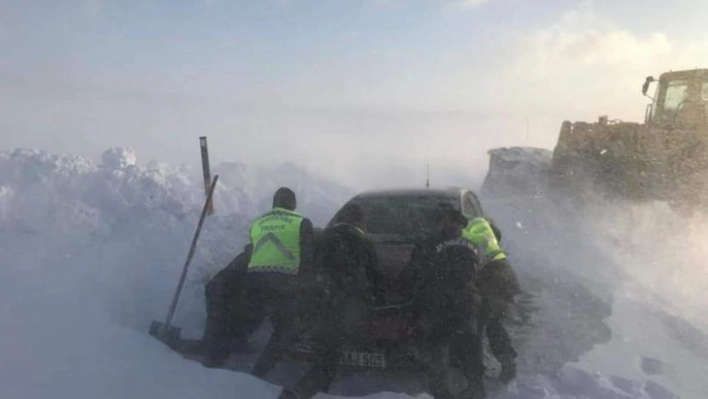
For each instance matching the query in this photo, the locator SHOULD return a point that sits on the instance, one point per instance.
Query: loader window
(676, 93)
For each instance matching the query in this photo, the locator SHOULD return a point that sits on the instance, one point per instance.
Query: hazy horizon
(365, 92)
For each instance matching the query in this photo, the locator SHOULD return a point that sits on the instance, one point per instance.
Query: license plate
(362, 359)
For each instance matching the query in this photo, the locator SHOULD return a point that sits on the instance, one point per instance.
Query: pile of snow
(317, 197)
(91, 254)
(516, 171)
(119, 158)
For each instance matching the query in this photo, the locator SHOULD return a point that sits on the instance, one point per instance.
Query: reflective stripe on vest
(276, 242)
(480, 233)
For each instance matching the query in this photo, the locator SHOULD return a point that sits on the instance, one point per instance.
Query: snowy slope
(643, 266)
(90, 255)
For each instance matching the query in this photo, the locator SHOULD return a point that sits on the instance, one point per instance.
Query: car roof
(455, 193)
(415, 192)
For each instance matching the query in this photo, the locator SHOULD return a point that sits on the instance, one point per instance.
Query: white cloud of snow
(469, 4)
(91, 255)
(585, 66)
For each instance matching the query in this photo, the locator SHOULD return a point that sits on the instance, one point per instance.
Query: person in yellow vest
(282, 252)
(499, 285)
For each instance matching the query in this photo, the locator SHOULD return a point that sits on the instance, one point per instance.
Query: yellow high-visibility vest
(276, 242)
(480, 233)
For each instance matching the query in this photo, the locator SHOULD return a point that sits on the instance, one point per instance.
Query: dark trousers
(493, 313)
(464, 344)
(272, 295)
(499, 340)
(451, 341)
(499, 284)
(318, 378)
(340, 318)
(223, 295)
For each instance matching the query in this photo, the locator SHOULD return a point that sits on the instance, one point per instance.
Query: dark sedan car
(397, 219)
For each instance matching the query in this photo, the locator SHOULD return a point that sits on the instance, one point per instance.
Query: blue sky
(183, 45)
(350, 88)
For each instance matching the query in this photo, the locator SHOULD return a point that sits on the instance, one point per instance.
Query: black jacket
(444, 271)
(307, 246)
(346, 257)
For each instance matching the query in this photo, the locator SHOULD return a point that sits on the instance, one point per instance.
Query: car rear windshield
(403, 217)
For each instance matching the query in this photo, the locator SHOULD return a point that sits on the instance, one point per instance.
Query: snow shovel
(166, 332)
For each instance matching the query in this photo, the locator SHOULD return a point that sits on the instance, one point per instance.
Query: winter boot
(508, 369)
(475, 388)
(214, 362)
(288, 393)
(215, 355)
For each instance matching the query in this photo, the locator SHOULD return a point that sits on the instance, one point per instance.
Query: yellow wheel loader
(664, 159)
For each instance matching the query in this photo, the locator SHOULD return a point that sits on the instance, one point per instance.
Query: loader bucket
(516, 171)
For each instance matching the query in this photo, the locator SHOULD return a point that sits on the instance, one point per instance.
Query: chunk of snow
(118, 158)
(91, 254)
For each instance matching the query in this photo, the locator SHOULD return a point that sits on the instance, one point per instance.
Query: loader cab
(679, 100)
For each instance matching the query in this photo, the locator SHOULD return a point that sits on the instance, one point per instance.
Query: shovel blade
(169, 335)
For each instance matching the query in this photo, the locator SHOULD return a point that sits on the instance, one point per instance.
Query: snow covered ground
(90, 254)
(620, 308)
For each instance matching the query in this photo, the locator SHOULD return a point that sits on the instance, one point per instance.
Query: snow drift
(645, 262)
(91, 253)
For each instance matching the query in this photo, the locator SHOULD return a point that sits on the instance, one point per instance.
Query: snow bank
(91, 254)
